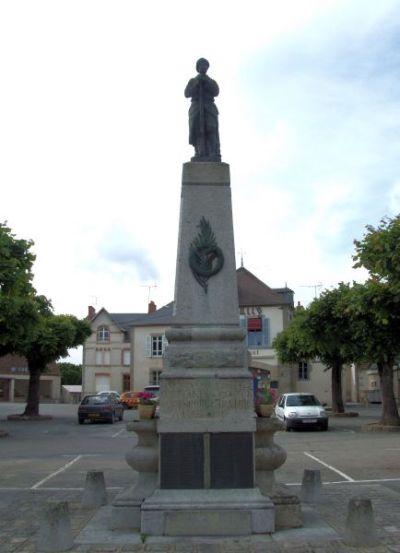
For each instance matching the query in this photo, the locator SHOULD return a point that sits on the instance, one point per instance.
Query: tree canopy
(18, 310)
(70, 373)
(28, 326)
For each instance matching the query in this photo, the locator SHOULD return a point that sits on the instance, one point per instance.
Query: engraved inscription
(202, 398)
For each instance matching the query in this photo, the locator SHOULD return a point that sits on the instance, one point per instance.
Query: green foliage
(379, 250)
(52, 337)
(70, 373)
(294, 343)
(18, 310)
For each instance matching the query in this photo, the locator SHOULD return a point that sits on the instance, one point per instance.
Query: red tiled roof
(252, 291)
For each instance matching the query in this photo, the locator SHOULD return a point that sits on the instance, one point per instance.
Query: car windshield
(298, 401)
(95, 400)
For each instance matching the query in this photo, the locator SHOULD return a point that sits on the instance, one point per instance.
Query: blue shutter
(243, 325)
(266, 332)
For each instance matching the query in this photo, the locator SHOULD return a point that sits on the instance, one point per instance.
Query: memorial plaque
(231, 460)
(182, 461)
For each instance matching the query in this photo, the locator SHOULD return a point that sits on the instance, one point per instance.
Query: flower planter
(146, 411)
(265, 410)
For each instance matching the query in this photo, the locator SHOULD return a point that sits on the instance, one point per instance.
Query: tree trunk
(337, 394)
(390, 413)
(32, 403)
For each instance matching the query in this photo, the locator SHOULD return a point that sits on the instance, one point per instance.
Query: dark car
(100, 408)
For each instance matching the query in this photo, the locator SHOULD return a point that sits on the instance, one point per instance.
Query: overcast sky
(93, 134)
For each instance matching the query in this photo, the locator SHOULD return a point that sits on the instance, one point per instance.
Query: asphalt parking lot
(49, 460)
(57, 453)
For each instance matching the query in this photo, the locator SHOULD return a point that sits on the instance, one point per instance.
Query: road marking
(329, 466)
(62, 469)
(348, 482)
(118, 433)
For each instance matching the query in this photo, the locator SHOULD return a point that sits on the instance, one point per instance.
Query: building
(126, 350)
(14, 380)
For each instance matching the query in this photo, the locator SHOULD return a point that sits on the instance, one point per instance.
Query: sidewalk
(322, 532)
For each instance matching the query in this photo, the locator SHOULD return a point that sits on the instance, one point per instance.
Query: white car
(301, 411)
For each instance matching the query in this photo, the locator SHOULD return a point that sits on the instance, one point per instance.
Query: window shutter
(164, 343)
(107, 357)
(147, 349)
(266, 332)
(126, 357)
(99, 357)
(243, 325)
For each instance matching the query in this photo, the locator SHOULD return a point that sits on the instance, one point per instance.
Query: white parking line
(65, 467)
(329, 466)
(350, 482)
(118, 433)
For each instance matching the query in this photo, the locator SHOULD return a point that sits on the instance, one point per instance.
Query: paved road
(50, 459)
(59, 452)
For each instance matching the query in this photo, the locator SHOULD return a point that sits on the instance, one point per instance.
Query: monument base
(239, 512)
(288, 513)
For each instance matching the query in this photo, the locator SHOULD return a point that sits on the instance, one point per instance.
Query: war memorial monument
(206, 466)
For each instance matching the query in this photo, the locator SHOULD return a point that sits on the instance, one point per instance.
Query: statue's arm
(212, 86)
(191, 87)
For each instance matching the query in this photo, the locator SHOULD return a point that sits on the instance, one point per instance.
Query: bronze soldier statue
(203, 115)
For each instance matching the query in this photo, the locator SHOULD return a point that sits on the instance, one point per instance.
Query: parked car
(100, 407)
(301, 411)
(130, 400)
(153, 388)
(112, 393)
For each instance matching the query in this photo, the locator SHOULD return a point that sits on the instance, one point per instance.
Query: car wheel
(324, 427)
(112, 419)
(81, 421)
(287, 427)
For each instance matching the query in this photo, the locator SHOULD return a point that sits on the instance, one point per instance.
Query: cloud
(118, 248)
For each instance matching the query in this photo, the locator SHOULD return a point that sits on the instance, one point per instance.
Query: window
(126, 382)
(155, 345)
(258, 331)
(126, 357)
(155, 377)
(103, 357)
(303, 370)
(103, 334)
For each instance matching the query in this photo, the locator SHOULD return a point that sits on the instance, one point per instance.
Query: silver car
(301, 411)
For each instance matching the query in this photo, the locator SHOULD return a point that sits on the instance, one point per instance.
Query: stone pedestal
(207, 513)
(143, 459)
(207, 422)
(269, 456)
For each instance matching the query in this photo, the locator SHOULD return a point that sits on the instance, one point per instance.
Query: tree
(322, 330)
(18, 311)
(70, 373)
(53, 336)
(375, 306)
(379, 251)
(28, 326)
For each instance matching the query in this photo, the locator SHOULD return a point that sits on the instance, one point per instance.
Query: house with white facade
(125, 350)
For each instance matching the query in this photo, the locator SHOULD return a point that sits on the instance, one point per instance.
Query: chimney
(152, 307)
(91, 312)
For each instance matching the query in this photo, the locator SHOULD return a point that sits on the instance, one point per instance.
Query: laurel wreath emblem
(205, 257)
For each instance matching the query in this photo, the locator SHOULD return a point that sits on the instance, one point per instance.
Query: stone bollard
(94, 494)
(360, 524)
(55, 532)
(311, 486)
